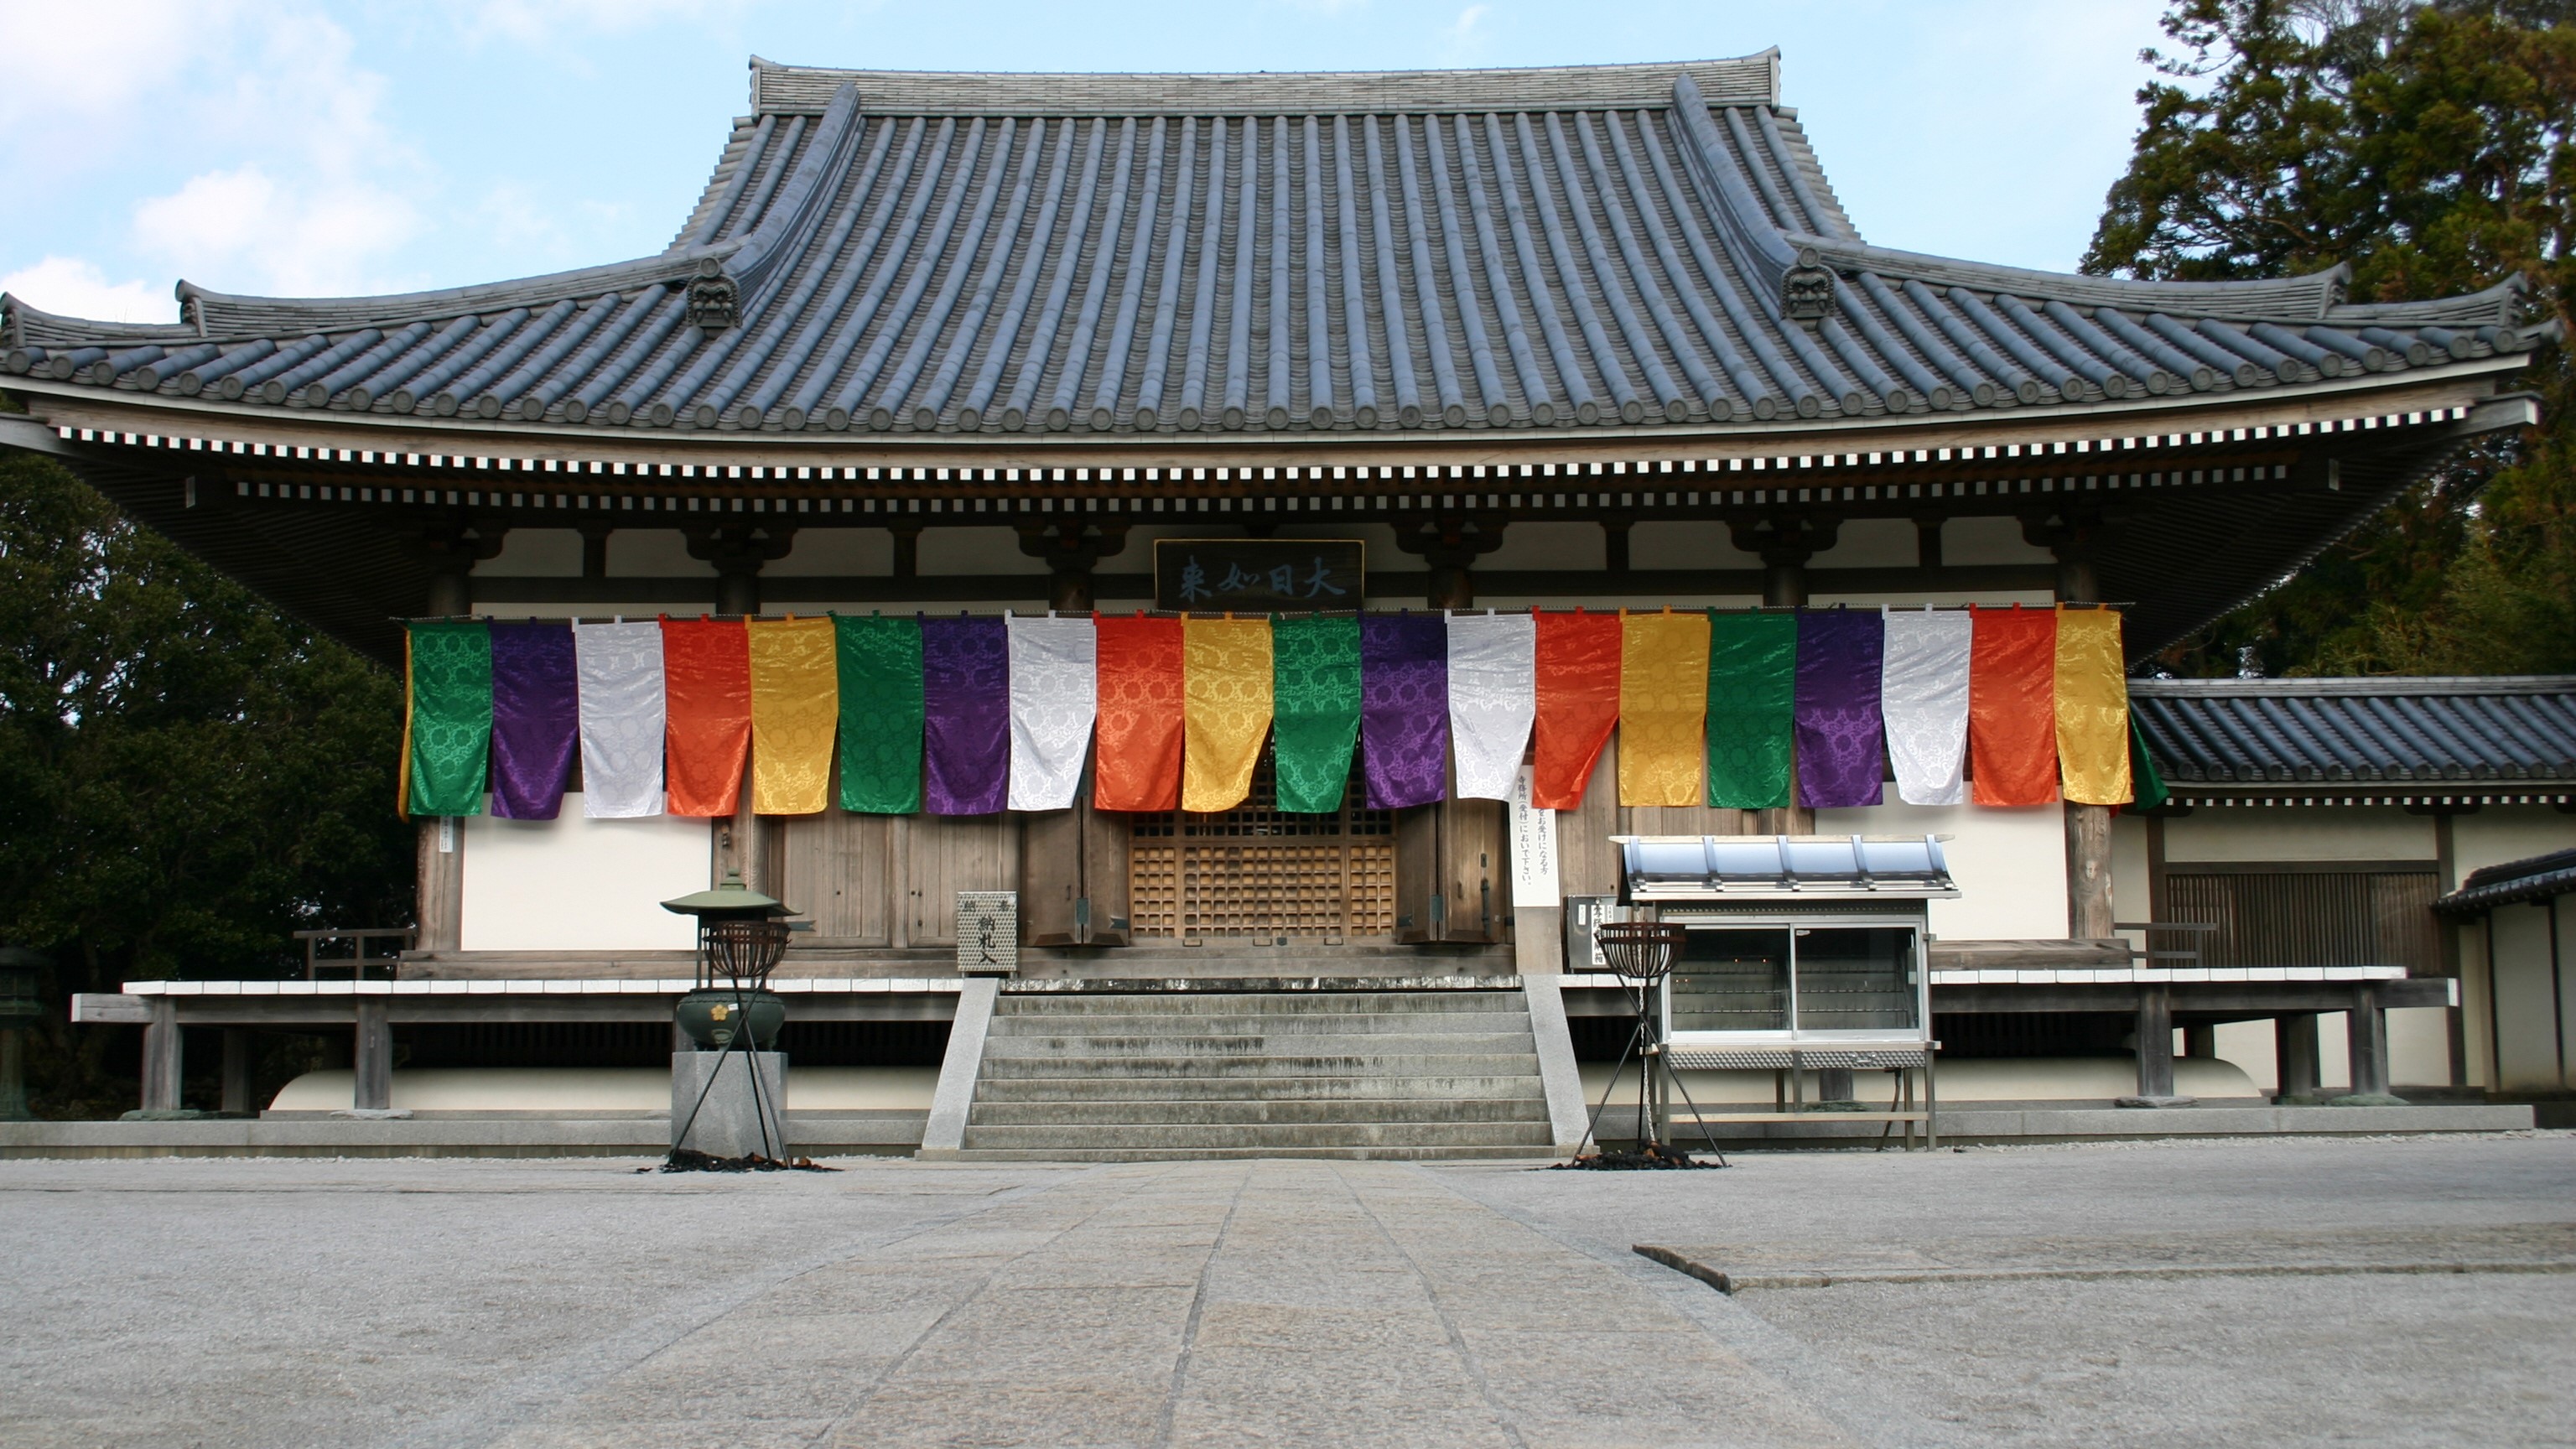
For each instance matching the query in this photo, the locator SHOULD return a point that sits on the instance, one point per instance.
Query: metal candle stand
(741, 938)
(1642, 954)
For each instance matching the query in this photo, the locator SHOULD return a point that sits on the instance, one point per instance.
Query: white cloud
(325, 236)
(79, 63)
(1463, 39)
(73, 287)
(530, 21)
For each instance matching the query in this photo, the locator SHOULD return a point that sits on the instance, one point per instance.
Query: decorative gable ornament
(715, 303)
(1807, 290)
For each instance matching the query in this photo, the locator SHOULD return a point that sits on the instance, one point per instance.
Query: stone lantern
(728, 1092)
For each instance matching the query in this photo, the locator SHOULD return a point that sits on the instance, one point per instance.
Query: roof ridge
(778, 89)
(2359, 685)
(2314, 297)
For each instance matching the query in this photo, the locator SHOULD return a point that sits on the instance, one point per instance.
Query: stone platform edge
(813, 1134)
(2004, 1125)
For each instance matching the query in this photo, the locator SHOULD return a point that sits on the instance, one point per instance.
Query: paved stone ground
(897, 1303)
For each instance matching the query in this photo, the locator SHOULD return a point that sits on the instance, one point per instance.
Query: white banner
(1534, 875)
(1923, 694)
(1054, 696)
(619, 668)
(1493, 699)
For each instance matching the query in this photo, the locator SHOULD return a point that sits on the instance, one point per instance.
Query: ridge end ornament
(1807, 289)
(715, 301)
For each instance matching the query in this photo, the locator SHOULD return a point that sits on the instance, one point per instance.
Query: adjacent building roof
(2500, 735)
(2539, 878)
(1639, 247)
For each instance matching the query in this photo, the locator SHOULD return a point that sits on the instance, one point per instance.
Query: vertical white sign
(1534, 881)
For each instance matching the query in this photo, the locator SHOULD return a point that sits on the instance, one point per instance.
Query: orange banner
(706, 682)
(1138, 766)
(1578, 703)
(2012, 706)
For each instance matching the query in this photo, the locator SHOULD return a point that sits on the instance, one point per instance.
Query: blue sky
(303, 149)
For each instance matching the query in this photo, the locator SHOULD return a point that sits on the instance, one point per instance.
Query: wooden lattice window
(2320, 917)
(1262, 874)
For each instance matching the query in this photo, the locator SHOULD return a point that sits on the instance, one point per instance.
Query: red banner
(1578, 703)
(706, 676)
(2012, 706)
(1139, 729)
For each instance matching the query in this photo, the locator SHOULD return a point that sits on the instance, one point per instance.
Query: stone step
(1350, 1112)
(1129, 1087)
(1530, 1153)
(1426, 1064)
(1378, 1045)
(1249, 1024)
(1265, 1003)
(1077, 1137)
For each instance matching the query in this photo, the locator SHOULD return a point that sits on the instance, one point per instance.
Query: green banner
(880, 662)
(1752, 699)
(451, 717)
(2146, 787)
(1315, 709)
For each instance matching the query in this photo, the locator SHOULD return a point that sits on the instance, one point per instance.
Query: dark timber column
(2366, 1037)
(738, 551)
(373, 1056)
(1785, 542)
(2294, 1054)
(2155, 1045)
(1450, 545)
(161, 1057)
(2073, 538)
(1072, 548)
(236, 1074)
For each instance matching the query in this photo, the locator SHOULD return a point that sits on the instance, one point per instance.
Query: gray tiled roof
(1647, 246)
(2539, 878)
(2517, 729)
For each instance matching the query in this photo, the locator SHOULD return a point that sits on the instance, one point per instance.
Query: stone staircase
(1101, 1076)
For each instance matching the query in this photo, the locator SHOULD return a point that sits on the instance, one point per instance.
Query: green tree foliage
(2429, 147)
(186, 777)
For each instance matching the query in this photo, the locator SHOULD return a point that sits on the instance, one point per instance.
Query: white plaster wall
(2131, 897)
(1871, 543)
(1988, 540)
(653, 553)
(2010, 864)
(971, 550)
(2500, 833)
(535, 552)
(1916, 600)
(2419, 1049)
(577, 884)
(861, 551)
(1686, 544)
(1552, 546)
(2298, 833)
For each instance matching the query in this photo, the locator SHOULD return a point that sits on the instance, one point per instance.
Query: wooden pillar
(2200, 1043)
(438, 903)
(373, 1055)
(907, 549)
(13, 1074)
(162, 1061)
(2294, 1053)
(1449, 546)
(739, 551)
(2155, 1043)
(2088, 872)
(1072, 549)
(236, 1075)
(1614, 542)
(2455, 1017)
(2366, 1039)
(1785, 543)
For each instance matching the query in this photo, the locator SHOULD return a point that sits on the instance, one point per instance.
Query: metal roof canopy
(1684, 868)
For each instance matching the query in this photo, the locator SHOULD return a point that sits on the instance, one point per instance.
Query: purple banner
(1840, 736)
(966, 715)
(1404, 709)
(536, 718)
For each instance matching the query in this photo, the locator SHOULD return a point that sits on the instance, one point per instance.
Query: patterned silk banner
(1924, 697)
(621, 719)
(2148, 785)
(795, 705)
(706, 671)
(1840, 738)
(1404, 709)
(2012, 706)
(966, 715)
(2092, 707)
(1053, 699)
(1493, 699)
(1663, 703)
(1578, 703)
(451, 717)
(880, 673)
(1139, 764)
(1225, 675)
(536, 718)
(1752, 699)
(1315, 706)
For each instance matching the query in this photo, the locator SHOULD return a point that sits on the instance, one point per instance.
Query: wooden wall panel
(952, 853)
(838, 869)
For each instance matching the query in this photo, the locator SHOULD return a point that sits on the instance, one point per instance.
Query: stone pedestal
(729, 1123)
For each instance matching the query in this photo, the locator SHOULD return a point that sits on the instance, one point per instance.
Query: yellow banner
(2092, 707)
(1663, 707)
(795, 707)
(1225, 709)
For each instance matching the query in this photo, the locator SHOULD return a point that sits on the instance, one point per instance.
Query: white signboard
(1534, 879)
(988, 933)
